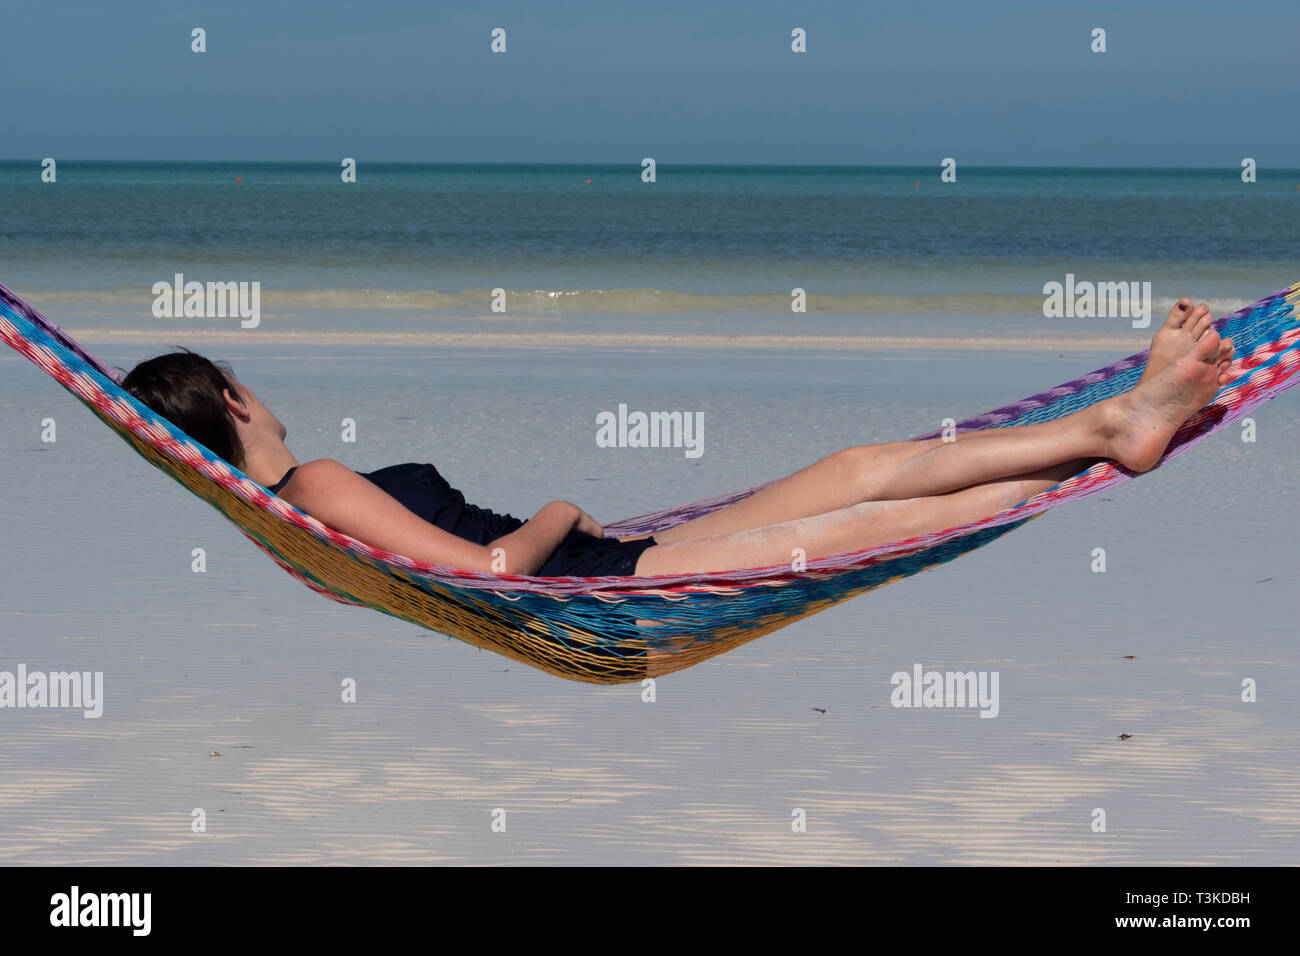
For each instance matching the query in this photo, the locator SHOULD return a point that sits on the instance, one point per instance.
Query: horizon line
(634, 164)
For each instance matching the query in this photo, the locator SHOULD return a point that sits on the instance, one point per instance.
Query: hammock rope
(624, 629)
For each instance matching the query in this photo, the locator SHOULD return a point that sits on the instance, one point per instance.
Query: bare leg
(895, 471)
(862, 525)
(1187, 363)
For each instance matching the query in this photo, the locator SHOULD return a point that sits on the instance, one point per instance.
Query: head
(203, 399)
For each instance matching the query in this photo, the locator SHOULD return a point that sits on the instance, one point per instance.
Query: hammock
(612, 630)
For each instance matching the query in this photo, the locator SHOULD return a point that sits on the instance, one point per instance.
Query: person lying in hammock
(853, 499)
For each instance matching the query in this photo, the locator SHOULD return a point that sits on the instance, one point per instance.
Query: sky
(1014, 83)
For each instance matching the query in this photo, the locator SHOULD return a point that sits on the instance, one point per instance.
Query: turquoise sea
(726, 241)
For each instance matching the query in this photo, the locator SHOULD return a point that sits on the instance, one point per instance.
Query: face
(257, 417)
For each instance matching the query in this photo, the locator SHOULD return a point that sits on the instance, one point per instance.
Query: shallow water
(704, 237)
(242, 660)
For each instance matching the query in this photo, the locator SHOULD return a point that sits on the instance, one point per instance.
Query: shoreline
(863, 343)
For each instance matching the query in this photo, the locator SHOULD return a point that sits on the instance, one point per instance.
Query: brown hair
(185, 388)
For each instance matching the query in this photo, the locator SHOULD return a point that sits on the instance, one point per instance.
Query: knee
(860, 469)
(852, 462)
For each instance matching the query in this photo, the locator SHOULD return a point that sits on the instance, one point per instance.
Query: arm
(337, 496)
(527, 549)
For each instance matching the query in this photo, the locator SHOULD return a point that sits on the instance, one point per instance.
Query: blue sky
(1183, 84)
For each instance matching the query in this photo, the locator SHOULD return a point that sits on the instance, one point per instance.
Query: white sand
(243, 660)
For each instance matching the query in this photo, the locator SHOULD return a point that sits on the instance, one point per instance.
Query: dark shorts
(583, 556)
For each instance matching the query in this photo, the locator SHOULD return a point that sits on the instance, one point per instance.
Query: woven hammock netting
(625, 629)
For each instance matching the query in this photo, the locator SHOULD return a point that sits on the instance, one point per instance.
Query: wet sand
(242, 660)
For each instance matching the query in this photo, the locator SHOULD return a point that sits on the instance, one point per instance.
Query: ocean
(720, 248)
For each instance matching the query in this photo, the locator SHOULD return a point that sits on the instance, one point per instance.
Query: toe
(1207, 347)
(1179, 313)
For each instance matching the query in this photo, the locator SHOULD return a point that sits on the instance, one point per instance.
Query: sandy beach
(244, 662)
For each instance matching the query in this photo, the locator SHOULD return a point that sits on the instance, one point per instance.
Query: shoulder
(334, 493)
(321, 466)
(321, 475)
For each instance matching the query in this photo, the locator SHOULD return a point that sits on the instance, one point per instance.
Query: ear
(234, 404)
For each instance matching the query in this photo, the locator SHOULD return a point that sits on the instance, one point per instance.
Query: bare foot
(1172, 338)
(1183, 327)
(1140, 423)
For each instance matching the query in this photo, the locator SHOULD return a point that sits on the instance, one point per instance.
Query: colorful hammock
(622, 629)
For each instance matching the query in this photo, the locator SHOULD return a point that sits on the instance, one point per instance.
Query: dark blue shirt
(421, 489)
